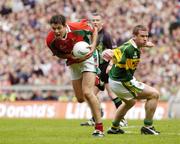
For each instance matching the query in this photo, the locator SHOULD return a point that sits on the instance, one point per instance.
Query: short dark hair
(58, 19)
(173, 26)
(139, 28)
(96, 14)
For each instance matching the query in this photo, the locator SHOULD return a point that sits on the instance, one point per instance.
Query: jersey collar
(68, 29)
(133, 43)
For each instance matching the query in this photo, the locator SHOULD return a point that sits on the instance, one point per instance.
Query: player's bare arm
(149, 44)
(93, 44)
(107, 54)
(92, 47)
(109, 66)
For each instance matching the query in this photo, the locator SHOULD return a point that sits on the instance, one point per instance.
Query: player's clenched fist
(107, 55)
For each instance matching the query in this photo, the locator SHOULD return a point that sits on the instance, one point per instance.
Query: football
(80, 49)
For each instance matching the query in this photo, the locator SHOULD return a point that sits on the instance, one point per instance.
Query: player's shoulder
(50, 37)
(81, 25)
(126, 47)
(106, 34)
(105, 31)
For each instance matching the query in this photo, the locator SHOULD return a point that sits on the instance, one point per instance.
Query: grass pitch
(54, 131)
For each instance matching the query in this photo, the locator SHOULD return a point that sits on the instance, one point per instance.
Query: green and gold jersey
(126, 58)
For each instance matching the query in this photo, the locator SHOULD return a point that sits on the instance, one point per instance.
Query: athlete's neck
(100, 28)
(64, 35)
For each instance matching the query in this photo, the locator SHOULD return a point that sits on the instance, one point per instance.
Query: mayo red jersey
(76, 31)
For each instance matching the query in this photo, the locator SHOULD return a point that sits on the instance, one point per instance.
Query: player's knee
(87, 95)
(155, 94)
(80, 100)
(131, 103)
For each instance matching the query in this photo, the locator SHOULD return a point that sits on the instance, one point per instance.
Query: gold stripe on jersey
(130, 64)
(117, 55)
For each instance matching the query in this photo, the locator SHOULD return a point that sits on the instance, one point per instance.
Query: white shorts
(89, 65)
(126, 90)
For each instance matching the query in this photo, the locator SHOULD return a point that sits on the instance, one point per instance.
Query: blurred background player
(124, 61)
(104, 41)
(61, 40)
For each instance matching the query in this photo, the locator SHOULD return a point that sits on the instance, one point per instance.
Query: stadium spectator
(23, 33)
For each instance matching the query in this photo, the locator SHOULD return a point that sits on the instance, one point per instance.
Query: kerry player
(124, 61)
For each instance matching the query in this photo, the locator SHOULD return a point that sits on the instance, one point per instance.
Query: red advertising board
(71, 110)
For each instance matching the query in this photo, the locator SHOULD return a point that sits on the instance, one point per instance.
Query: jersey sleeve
(82, 25)
(82, 29)
(120, 56)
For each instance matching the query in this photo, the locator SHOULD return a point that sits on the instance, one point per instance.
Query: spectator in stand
(23, 32)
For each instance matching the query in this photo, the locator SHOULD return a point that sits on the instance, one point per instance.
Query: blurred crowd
(26, 60)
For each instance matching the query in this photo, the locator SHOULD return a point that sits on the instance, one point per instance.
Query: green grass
(54, 131)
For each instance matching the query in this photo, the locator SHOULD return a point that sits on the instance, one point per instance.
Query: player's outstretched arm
(109, 66)
(107, 54)
(92, 47)
(149, 44)
(94, 40)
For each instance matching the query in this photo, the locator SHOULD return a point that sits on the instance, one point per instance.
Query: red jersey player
(83, 71)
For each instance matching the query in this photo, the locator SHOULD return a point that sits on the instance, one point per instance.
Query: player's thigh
(108, 87)
(111, 94)
(77, 86)
(129, 103)
(148, 93)
(96, 90)
(120, 90)
(89, 70)
(75, 70)
(88, 82)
